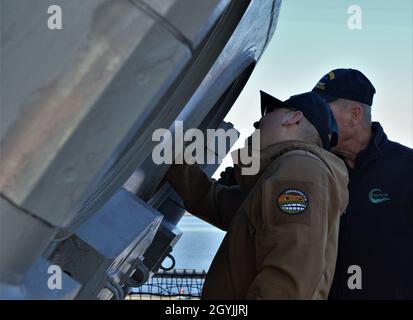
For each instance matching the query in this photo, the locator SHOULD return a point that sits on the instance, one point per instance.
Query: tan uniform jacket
(281, 243)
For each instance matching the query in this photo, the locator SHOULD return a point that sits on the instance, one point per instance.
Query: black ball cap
(313, 107)
(345, 83)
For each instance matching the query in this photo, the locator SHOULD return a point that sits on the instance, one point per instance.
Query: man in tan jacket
(281, 243)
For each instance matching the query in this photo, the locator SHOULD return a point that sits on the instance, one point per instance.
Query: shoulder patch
(292, 201)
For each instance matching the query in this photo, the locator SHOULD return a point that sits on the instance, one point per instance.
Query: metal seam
(25, 211)
(139, 4)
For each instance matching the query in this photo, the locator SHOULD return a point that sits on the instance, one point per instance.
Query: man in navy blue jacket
(375, 258)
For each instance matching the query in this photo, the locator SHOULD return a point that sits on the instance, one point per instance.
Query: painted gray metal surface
(189, 20)
(138, 146)
(71, 103)
(23, 237)
(78, 111)
(105, 247)
(34, 285)
(68, 100)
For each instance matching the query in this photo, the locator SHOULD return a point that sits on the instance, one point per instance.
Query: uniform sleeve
(292, 230)
(203, 197)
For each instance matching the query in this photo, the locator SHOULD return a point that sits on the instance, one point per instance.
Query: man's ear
(292, 118)
(356, 114)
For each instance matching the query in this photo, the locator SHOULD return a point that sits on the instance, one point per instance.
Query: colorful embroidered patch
(292, 201)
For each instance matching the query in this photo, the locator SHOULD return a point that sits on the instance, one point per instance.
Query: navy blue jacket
(376, 232)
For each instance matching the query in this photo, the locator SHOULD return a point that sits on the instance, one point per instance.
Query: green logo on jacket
(377, 196)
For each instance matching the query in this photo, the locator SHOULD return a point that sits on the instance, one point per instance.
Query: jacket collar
(375, 146)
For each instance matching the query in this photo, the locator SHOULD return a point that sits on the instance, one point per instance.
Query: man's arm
(292, 232)
(203, 197)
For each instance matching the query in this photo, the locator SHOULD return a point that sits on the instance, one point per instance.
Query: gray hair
(346, 103)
